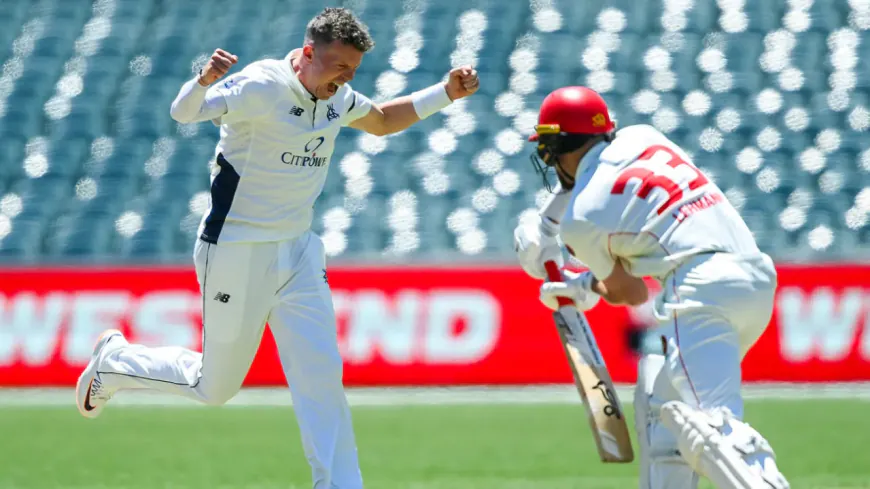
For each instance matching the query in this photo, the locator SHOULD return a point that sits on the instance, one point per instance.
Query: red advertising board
(414, 326)
(820, 330)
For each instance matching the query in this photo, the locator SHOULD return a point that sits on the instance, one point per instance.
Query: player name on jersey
(703, 202)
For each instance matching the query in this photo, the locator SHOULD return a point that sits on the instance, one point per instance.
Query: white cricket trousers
(244, 286)
(712, 308)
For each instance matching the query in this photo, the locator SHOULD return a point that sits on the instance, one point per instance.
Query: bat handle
(555, 275)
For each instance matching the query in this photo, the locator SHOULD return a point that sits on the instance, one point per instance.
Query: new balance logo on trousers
(222, 297)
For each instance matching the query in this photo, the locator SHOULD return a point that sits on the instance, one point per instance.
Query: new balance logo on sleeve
(222, 297)
(297, 111)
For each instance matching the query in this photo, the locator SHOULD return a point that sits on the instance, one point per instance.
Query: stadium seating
(769, 97)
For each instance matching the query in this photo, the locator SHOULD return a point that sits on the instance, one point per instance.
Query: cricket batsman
(256, 258)
(630, 204)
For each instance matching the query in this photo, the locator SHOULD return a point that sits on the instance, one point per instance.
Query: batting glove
(535, 243)
(575, 286)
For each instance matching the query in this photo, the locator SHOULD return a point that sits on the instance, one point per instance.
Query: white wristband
(430, 100)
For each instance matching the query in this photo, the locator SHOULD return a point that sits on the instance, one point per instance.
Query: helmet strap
(566, 175)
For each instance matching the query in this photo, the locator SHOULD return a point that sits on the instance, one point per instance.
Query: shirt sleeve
(246, 95)
(589, 244)
(196, 103)
(357, 105)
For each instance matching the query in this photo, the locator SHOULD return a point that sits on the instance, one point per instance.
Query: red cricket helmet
(573, 110)
(568, 119)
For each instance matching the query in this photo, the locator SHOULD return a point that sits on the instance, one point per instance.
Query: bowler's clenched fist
(218, 66)
(462, 82)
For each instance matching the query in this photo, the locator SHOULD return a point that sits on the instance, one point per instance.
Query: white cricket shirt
(276, 141)
(642, 199)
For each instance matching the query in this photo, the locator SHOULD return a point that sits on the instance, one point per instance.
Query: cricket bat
(605, 414)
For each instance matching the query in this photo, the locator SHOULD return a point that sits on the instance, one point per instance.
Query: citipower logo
(314, 144)
(306, 160)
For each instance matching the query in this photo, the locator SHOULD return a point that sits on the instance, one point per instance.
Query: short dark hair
(339, 24)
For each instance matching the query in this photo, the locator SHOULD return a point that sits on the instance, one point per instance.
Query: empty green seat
(82, 123)
(92, 237)
(23, 244)
(65, 157)
(11, 158)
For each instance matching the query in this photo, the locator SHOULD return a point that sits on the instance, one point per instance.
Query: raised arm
(195, 102)
(400, 113)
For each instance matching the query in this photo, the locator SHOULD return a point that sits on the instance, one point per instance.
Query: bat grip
(555, 275)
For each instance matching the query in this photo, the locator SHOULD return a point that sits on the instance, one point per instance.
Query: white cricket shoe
(729, 452)
(91, 392)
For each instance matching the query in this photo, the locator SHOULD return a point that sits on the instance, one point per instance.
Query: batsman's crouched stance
(630, 204)
(711, 311)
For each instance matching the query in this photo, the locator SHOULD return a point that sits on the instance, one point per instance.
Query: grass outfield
(820, 444)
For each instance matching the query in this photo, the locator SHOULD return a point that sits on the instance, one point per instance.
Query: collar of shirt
(590, 157)
(293, 78)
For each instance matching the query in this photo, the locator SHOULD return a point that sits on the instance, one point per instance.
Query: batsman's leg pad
(672, 472)
(648, 368)
(660, 464)
(729, 452)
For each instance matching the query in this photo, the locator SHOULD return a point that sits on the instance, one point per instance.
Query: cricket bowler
(630, 204)
(255, 256)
